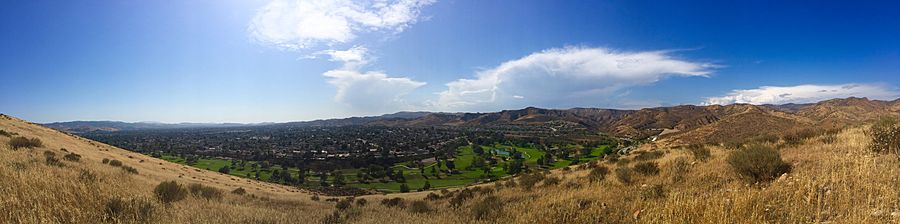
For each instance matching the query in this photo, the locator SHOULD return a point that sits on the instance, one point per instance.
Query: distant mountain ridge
(687, 123)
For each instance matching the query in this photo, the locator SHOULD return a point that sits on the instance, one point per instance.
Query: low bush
(361, 202)
(623, 174)
(315, 197)
(758, 163)
(239, 191)
(647, 168)
(206, 192)
(678, 169)
(432, 196)
(23, 142)
(343, 204)
(5, 133)
(129, 169)
(598, 174)
(550, 181)
(652, 192)
(487, 207)
(419, 207)
(699, 152)
(169, 191)
(393, 202)
(87, 175)
(529, 180)
(72, 157)
(53, 161)
(115, 163)
(130, 211)
(105, 161)
(885, 137)
(648, 155)
(461, 197)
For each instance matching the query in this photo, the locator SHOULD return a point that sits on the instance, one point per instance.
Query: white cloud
(563, 77)
(803, 94)
(371, 92)
(300, 24)
(352, 58)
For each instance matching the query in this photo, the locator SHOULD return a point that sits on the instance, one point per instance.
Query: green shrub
(404, 188)
(885, 137)
(169, 191)
(419, 207)
(598, 174)
(623, 174)
(647, 168)
(758, 163)
(22, 142)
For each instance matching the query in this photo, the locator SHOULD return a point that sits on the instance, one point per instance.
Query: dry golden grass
(840, 182)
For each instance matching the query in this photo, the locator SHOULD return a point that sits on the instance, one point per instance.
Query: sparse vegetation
(487, 207)
(647, 168)
(22, 142)
(205, 192)
(623, 174)
(598, 174)
(419, 207)
(169, 191)
(239, 191)
(124, 211)
(758, 163)
(699, 152)
(72, 157)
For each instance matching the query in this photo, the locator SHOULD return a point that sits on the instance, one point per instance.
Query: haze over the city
(270, 61)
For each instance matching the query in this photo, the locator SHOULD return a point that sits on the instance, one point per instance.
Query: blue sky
(258, 61)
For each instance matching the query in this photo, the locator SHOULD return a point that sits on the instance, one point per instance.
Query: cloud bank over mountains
(564, 77)
(803, 94)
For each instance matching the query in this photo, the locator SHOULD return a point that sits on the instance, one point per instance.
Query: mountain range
(687, 123)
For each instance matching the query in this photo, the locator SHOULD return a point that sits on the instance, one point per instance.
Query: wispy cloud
(300, 24)
(564, 77)
(803, 94)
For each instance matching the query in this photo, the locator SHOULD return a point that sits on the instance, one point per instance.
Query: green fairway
(465, 173)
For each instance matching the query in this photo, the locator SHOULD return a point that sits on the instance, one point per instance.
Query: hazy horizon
(301, 60)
